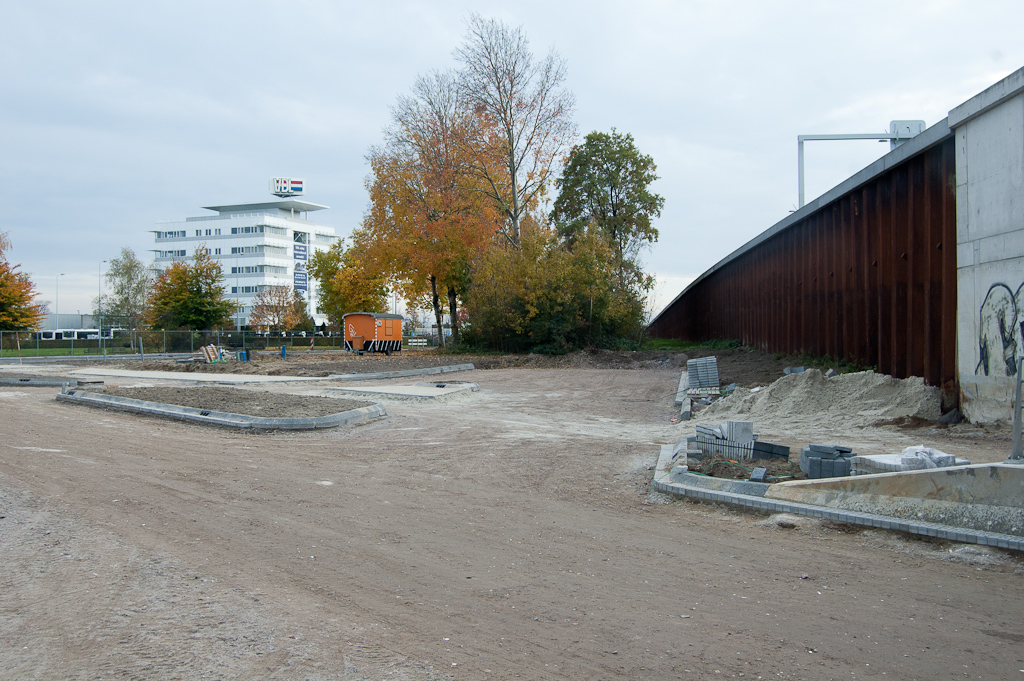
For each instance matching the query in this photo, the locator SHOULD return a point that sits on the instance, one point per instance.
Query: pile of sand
(856, 399)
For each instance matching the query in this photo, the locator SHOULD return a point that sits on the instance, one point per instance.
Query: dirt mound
(863, 398)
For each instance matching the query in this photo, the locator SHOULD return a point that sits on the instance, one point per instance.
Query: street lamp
(99, 305)
(56, 305)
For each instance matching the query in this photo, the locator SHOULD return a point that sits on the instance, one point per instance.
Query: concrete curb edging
(407, 392)
(664, 483)
(684, 381)
(42, 382)
(217, 418)
(401, 373)
(57, 359)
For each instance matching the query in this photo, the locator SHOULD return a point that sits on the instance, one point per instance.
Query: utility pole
(99, 305)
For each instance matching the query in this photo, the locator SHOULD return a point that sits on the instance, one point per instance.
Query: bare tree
(130, 281)
(274, 309)
(524, 114)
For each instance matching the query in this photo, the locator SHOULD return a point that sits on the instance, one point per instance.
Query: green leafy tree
(17, 311)
(190, 295)
(348, 281)
(300, 313)
(130, 280)
(605, 189)
(548, 297)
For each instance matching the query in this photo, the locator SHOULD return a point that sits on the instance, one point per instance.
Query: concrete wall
(989, 134)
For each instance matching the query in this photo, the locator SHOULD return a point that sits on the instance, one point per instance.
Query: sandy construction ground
(501, 534)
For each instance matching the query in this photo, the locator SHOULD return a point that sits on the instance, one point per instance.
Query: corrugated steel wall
(870, 277)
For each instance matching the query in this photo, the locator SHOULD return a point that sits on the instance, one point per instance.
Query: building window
(247, 289)
(207, 232)
(199, 232)
(171, 254)
(260, 248)
(216, 251)
(259, 269)
(248, 229)
(216, 232)
(171, 235)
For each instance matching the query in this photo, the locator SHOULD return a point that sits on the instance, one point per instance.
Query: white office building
(257, 244)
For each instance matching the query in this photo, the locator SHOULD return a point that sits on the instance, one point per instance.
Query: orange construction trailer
(372, 332)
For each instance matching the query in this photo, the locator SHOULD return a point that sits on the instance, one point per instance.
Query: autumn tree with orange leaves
(17, 312)
(429, 215)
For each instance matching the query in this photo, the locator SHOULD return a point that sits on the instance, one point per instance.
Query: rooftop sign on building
(286, 186)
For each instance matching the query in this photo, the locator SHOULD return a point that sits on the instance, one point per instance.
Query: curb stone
(218, 418)
(401, 373)
(665, 482)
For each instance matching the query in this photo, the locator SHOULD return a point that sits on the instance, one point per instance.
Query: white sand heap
(856, 399)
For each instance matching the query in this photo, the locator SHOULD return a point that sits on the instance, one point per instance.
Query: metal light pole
(56, 306)
(99, 304)
(899, 132)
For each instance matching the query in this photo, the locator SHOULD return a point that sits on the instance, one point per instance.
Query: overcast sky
(117, 115)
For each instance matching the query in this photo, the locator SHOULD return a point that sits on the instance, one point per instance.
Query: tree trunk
(437, 310)
(453, 308)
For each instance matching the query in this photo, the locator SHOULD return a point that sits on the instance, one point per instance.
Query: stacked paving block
(766, 450)
(702, 373)
(826, 461)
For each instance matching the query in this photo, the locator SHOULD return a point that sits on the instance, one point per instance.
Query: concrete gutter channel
(753, 495)
(217, 418)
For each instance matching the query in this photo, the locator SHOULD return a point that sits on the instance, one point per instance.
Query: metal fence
(32, 344)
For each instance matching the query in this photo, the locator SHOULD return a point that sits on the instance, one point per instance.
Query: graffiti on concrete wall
(999, 334)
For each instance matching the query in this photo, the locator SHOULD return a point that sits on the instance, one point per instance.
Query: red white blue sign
(286, 186)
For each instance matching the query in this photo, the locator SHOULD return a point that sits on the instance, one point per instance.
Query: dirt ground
(503, 534)
(736, 365)
(265, 404)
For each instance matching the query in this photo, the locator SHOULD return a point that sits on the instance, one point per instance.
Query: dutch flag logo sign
(286, 186)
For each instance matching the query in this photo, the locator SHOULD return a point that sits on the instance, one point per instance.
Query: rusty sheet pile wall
(869, 277)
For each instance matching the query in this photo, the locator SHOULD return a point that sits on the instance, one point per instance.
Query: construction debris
(212, 354)
(910, 459)
(733, 440)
